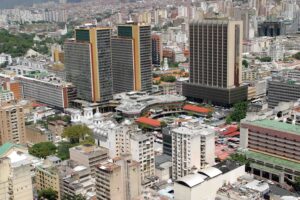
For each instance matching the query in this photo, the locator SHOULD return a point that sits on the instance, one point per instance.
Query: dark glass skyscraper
(132, 58)
(88, 63)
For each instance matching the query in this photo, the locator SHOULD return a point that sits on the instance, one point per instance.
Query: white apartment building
(193, 148)
(128, 139)
(5, 58)
(15, 173)
(142, 150)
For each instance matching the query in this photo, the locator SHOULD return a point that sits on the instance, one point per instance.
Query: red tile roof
(148, 121)
(197, 109)
(233, 134)
(229, 130)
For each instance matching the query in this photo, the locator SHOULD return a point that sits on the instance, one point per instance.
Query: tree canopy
(74, 197)
(43, 149)
(15, 45)
(239, 112)
(296, 184)
(266, 59)
(170, 79)
(245, 63)
(63, 150)
(297, 56)
(48, 194)
(79, 134)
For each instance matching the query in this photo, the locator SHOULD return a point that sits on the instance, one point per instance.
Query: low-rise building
(135, 104)
(205, 183)
(273, 148)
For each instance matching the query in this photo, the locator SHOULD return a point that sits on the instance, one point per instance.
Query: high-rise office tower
(215, 62)
(131, 58)
(88, 63)
(12, 124)
(157, 52)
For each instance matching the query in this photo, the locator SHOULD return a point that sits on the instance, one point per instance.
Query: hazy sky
(12, 3)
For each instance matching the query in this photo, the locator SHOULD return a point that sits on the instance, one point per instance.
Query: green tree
(63, 150)
(296, 184)
(78, 133)
(228, 119)
(48, 194)
(239, 112)
(163, 124)
(43, 149)
(73, 197)
(15, 45)
(170, 79)
(297, 56)
(240, 158)
(266, 59)
(245, 63)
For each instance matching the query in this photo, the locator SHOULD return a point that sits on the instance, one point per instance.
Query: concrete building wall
(44, 92)
(207, 189)
(16, 181)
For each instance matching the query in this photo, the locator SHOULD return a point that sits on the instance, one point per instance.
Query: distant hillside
(13, 3)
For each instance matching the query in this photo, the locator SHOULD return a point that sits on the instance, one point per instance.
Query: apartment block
(12, 124)
(89, 156)
(76, 180)
(192, 149)
(142, 150)
(47, 176)
(118, 179)
(16, 175)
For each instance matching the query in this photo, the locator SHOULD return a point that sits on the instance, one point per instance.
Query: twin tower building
(100, 64)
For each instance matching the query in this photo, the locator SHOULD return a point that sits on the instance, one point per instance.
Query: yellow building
(47, 176)
(12, 124)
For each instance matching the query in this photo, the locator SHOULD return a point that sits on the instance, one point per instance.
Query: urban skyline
(149, 100)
